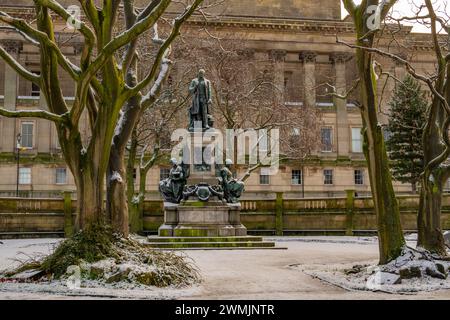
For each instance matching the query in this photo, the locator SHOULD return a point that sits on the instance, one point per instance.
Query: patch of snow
(330, 239)
(120, 123)
(92, 289)
(116, 177)
(411, 237)
(385, 278)
(136, 199)
(381, 278)
(158, 82)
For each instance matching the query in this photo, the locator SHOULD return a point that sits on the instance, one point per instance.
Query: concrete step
(213, 245)
(204, 239)
(220, 249)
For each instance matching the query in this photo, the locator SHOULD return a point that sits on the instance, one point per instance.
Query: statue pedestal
(202, 219)
(203, 213)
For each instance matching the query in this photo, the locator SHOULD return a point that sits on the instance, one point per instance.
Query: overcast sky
(405, 7)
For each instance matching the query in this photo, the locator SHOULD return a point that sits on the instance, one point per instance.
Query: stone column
(9, 129)
(278, 57)
(400, 71)
(343, 137)
(386, 91)
(309, 71)
(43, 129)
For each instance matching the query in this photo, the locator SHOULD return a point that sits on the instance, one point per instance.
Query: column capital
(340, 57)
(277, 55)
(308, 56)
(12, 46)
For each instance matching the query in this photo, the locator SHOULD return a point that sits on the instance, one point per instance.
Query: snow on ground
(367, 279)
(240, 274)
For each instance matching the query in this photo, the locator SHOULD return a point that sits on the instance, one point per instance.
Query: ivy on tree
(407, 117)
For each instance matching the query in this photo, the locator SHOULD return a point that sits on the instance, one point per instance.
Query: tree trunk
(89, 199)
(414, 187)
(136, 223)
(429, 217)
(117, 204)
(116, 200)
(390, 234)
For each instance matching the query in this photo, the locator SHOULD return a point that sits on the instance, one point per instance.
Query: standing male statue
(200, 89)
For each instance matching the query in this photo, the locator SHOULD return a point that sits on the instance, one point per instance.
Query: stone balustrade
(278, 216)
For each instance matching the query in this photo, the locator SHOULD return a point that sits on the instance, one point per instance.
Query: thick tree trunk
(429, 218)
(116, 200)
(134, 201)
(390, 234)
(89, 199)
(137, 207)
(430, 234)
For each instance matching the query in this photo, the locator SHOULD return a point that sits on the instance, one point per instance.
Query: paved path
(256, 274)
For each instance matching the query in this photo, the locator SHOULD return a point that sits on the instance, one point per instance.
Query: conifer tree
(406, 120)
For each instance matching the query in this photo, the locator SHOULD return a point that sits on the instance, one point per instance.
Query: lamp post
(19, 139)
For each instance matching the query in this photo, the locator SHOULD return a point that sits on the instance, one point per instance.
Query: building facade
(298, 36)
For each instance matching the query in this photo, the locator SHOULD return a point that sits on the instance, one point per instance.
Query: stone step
(205, 239)
(212, 245)
(220, 249)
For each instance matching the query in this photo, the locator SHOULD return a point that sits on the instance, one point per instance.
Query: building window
(27, 129)
(359, 177)
(328, 177)
(297, 177)
(24, 175)
(164, 173)
(61, 175)
(35, 90)
(327, 139)
(357, 140)
(264, 179)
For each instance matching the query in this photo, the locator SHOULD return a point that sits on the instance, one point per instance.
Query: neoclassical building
(298, 36)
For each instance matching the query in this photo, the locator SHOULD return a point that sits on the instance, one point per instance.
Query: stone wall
(277, 215)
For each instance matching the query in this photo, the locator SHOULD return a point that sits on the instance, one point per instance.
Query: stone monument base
(202, 219)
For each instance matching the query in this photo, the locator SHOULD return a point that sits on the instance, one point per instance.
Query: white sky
(406, 8)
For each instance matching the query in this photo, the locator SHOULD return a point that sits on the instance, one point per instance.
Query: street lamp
(18, 147)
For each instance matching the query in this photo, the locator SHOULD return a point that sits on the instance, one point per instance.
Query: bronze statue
(200, 88)
(172, 188)
(232, 188)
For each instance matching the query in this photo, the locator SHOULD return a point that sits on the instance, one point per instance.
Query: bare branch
(32, 114)
(13, 63)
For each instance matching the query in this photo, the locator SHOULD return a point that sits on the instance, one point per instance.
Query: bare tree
(106, 87)
(390, 233)
(246, 94)
(436, 142)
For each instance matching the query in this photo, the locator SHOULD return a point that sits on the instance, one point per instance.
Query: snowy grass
(414, 271)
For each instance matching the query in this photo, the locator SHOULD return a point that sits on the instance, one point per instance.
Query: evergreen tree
(406, 120)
